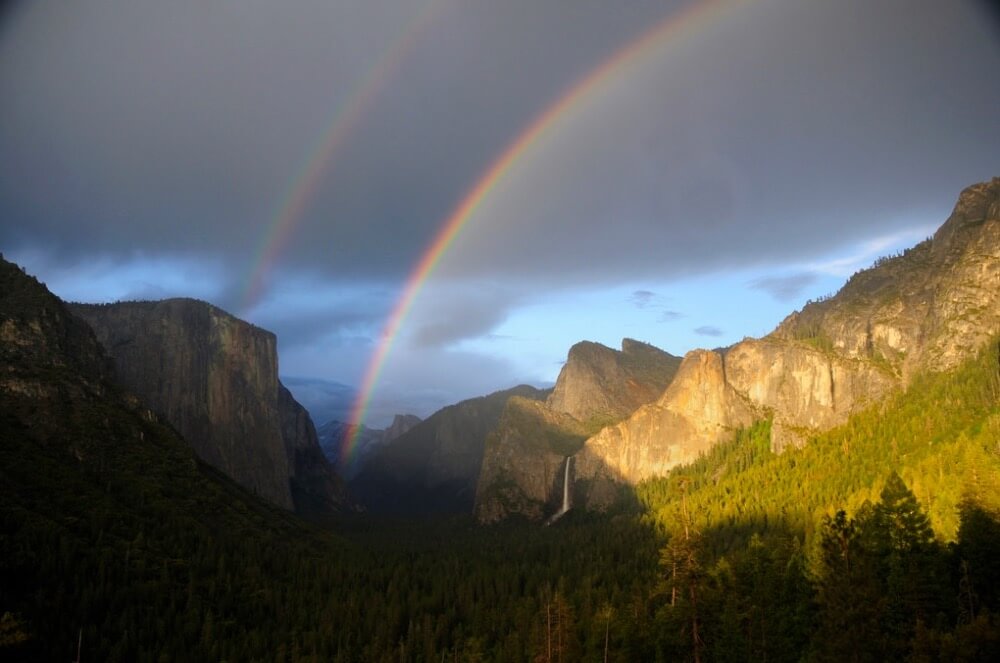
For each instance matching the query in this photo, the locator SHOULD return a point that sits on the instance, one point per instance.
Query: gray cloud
(642, 298)
(771, 133)
(784, 288)
(647, 299)
(453, 313)
(708, 330)
(194, 138)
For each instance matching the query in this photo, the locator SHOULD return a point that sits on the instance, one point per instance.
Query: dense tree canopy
(878, 540)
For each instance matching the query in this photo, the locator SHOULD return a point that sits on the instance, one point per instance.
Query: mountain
(525, 460)
(927, 309)
(332, 434)
(526, 454)
(215, 379)
(112, 529)
(434, 467)
(599, 384)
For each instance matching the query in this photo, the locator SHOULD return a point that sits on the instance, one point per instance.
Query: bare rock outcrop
(698, 410)
(523, 465)
(926, 309)
(599, 384)
(597, 387)
(215, 379)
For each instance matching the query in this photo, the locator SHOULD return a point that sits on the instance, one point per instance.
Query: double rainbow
(687, 22)
(302, 187)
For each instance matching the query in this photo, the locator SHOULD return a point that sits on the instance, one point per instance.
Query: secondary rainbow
(302, 187)
(685, 22)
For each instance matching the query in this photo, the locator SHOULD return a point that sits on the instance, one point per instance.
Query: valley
(164, 496)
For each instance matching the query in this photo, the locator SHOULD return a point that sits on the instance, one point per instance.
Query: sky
(682, 173)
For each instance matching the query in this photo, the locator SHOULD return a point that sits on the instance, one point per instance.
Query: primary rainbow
(302, 187)
(685, 22)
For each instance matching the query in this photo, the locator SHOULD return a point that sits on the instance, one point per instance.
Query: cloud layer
(162, 141)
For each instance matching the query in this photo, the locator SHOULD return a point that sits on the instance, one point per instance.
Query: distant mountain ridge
(332, 436)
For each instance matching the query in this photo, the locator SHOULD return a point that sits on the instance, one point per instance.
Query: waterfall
(565, 501)
(565, 506)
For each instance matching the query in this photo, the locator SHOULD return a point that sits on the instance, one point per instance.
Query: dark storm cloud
(182, 124)
(175, 126)
(797, 128)
(452, 314)
(784, 288)
(708, 330)
(330, 325)
(775, 132)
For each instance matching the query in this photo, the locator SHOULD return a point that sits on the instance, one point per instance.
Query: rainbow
(302, 187)
(685, 22)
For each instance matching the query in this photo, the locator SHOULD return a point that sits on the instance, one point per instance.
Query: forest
(875, 541)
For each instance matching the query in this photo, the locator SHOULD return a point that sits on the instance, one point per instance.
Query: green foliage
(110, 528)
(551, 431)
(940, 436)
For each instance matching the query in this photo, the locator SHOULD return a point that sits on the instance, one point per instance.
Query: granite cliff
(597, 386)
(930, 307)
(926, 309)
(215, 379)
(523, 465)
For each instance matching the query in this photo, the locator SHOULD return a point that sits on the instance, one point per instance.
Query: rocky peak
(599, 385)
(215, 378)
(976, 204)
(927, 308)
(401, 423)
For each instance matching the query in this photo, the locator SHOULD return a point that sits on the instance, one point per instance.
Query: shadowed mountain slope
(434, 466)
(215, 378)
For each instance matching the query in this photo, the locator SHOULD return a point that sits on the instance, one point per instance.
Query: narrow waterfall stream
(565, 503)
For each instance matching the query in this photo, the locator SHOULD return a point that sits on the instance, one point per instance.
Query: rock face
(215, 379)
(698, 409)
(600, 384)
(597, 387)
(803, 389)
(314, 486)
(928, 308)
(401, 423)
(524, 461)
(434, 467)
